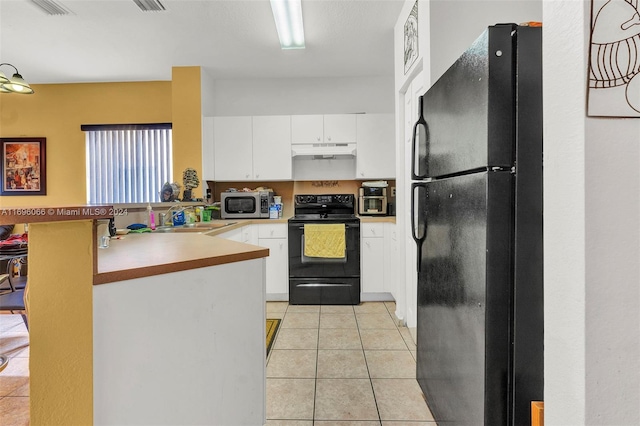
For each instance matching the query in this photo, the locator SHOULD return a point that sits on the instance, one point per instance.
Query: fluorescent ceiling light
(288, 17)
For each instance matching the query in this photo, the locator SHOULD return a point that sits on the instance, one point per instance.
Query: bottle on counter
(151, 218)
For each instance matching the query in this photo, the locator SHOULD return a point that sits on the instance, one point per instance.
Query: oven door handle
(345, 226)
(322, 285)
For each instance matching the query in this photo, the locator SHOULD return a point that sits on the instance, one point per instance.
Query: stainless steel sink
(195, 227)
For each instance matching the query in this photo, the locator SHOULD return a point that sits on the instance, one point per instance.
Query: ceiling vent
(150, 5)
(51, 7)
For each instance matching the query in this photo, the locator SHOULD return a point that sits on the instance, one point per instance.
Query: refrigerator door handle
(416, 219)
(420, 140)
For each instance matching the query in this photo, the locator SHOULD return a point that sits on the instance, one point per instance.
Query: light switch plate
(393, 191)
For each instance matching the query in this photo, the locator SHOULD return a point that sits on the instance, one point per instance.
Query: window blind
(127, 164)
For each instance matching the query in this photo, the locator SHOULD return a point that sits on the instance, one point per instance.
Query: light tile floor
(329, 366)
(342, 366)
(14, 379)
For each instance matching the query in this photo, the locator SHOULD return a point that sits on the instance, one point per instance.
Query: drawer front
(276, 230)
(372, 230)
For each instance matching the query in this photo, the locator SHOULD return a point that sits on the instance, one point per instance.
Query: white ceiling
(103, 41)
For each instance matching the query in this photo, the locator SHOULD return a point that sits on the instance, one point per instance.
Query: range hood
(324, 150)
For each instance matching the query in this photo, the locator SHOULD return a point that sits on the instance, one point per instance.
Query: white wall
(564, 212)
(592, 239)
(455, 24)
(304, 96)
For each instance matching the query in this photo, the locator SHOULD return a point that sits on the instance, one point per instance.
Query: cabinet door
(250, 234)
(390, 259)
(233, 148)
(277, 265)
(372, 273)
(233, 235)
(272, 147)
(376, 156)
(340, 128)
(306, 129)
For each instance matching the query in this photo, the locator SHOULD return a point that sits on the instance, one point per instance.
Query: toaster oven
(372, 201)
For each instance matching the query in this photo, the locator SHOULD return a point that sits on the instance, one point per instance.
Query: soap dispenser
(152, 218)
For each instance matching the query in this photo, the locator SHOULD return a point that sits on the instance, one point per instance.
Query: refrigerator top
(470, 115)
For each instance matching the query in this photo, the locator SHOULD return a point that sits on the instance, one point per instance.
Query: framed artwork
(23, 166)
(614, 59)
(411, 38)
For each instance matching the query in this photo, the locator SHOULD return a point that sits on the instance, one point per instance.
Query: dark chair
(13, 300)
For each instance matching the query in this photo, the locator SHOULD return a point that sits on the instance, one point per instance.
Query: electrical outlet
(393, 191)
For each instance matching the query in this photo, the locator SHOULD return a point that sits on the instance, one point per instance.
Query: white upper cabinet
(252, 148)
(376, 152)
(233, 148)
(332, 128)
(307, 129)
(340, 128)
(272, 147)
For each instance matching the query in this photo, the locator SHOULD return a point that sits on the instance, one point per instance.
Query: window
(127, 163)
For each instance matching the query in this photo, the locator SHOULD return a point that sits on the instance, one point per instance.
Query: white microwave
(245, 205)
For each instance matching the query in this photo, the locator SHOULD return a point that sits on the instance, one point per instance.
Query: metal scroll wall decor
(411, 38)
(614, 61)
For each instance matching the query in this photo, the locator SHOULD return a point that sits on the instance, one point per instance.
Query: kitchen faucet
(171, 212)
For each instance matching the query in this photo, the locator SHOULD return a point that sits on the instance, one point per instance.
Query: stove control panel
(325, 199)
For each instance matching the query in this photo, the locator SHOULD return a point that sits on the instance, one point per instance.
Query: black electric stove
(324, 280)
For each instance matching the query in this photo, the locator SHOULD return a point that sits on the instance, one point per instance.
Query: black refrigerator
(477, 220)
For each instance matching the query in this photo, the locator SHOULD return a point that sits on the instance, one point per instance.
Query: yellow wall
(60, 281)
(56, 112)
(187, 124)
(60, 305)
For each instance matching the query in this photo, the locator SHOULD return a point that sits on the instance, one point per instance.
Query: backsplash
(287, 189)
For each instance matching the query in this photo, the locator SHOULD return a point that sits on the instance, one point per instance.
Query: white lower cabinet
(378, 260)
(234, 235)
(372, 260)
(274, 237)
(246, 234)
(390, 259)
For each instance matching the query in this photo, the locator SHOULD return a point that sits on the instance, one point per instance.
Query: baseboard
(376, 297)
(277, 297)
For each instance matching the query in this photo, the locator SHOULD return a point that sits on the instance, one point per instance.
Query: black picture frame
(23, 165)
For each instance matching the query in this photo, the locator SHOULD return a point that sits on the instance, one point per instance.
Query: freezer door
(464, 291)
(469, 111)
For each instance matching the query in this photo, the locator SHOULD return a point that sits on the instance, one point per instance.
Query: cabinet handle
(361, 173)
(318, 138)
(247, 176)
(329, 138)
(257, 176)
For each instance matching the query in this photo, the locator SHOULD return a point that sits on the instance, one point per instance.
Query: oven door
(324, 280)
(302, 266)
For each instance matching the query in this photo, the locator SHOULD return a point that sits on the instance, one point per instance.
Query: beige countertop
(147, 254)
(142, 255)
(375, 219)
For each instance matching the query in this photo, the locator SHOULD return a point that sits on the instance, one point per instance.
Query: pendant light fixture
(288, 17)
(15, 84)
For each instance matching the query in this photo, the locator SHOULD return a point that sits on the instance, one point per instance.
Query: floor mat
(272, 328)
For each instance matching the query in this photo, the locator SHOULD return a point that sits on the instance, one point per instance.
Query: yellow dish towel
(324, 240)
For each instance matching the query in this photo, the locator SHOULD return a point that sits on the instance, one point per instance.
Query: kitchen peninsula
(173, 333)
